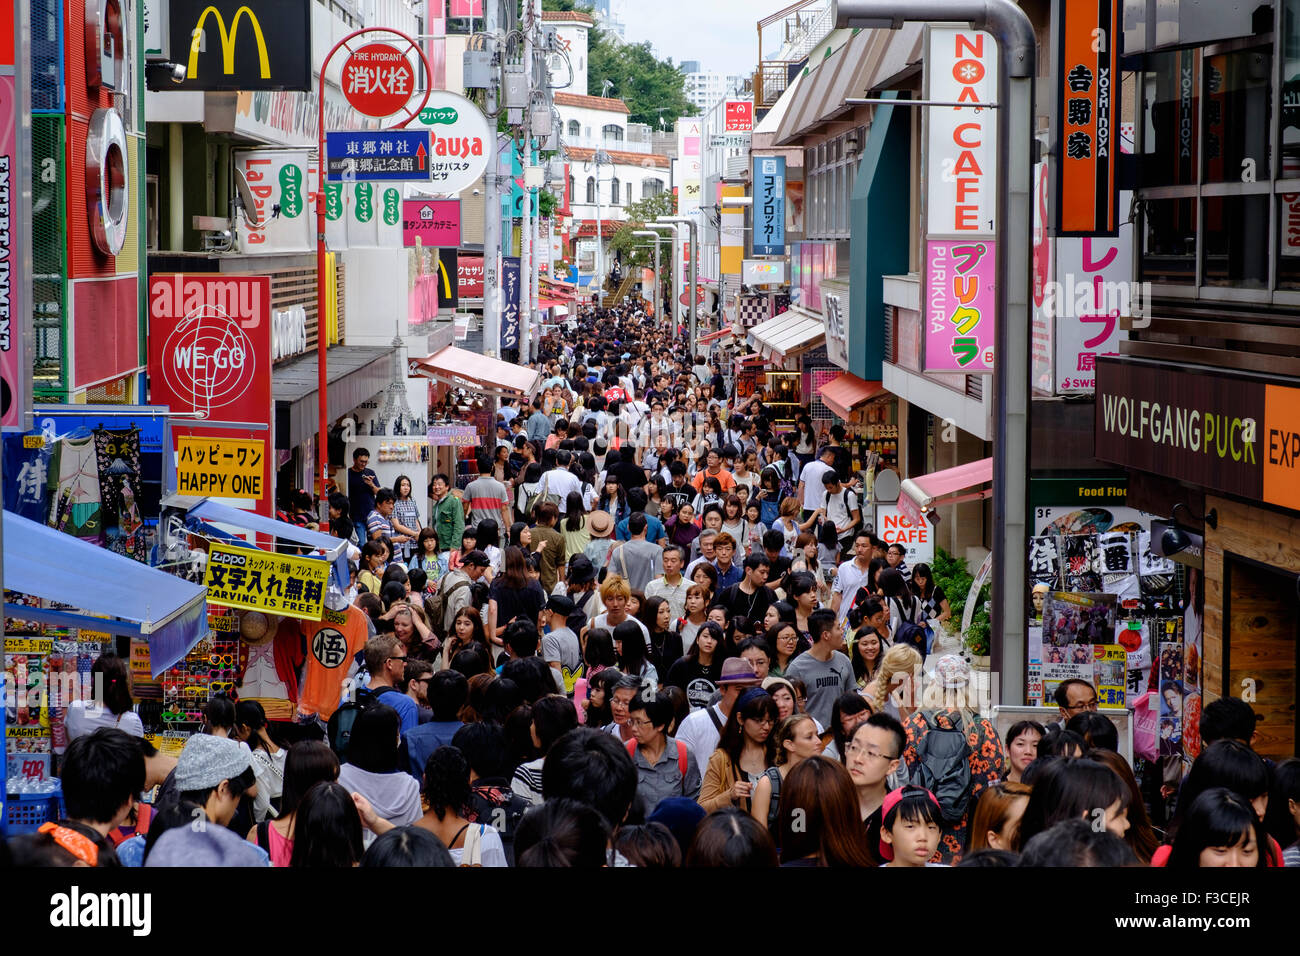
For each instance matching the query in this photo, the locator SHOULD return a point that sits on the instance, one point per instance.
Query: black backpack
(345, 717)
(911, 633)
(943, 766)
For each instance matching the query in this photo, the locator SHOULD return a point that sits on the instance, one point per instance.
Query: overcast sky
(721, 34)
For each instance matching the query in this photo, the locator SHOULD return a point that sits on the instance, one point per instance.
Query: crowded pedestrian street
(510, 434)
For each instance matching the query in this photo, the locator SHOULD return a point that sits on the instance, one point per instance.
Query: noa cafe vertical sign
(961, 198)
(210, 359)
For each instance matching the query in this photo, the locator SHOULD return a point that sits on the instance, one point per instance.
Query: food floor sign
(260, 581)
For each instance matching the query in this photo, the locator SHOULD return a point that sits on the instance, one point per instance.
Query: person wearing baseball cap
(702, 730)
(215, 773)
(910, 829)
(560, 647)
(457, 586)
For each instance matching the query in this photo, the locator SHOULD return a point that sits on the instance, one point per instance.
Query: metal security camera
(177, 72)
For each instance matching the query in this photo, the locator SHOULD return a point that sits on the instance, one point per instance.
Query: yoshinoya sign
(242, 44)
(460, 141)
(1087, 116)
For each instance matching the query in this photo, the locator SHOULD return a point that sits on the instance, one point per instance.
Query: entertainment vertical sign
(15, 225)
(961, 168)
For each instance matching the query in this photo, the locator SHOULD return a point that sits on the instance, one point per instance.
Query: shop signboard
(279, 180)
(1042, 350)
(960, 305)
(835, 310)
(1090, 293)
(431, 222)
(469, 277)
(453, 436)
(961, 164)
(756, 272)
(264, 581)
(209, 359)
(242, 44)
(894, 527)
(448, 278)
(738, 116)
(769, 206)
(1086, 118)
(731, 232)
(222, 467)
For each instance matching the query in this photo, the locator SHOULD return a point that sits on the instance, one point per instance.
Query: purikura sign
(960, 305)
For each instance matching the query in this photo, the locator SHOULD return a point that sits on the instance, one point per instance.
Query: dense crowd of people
(654, 631)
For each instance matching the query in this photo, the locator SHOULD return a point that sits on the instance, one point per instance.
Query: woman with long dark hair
(252, 728)
(697, 672)
(613, 499)
(308, 763)
(447, 792)
(372, 767)
(574, 528)
(1076, 788)
(1221, 828)
(406, 518)
(665, 643)
(745, 750)
(820, 818)
(633, 657)
(513, 595)
(110, 682)
(327, 829)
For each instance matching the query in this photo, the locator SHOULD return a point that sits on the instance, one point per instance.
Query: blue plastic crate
(25, 812)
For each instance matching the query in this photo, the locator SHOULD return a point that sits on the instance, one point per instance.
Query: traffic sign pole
(322, 286)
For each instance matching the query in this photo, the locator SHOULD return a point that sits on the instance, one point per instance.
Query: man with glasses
(416, 681)
(386, 664)
(872, 756)
(665, 766)
(620, 700)
(1074, 696)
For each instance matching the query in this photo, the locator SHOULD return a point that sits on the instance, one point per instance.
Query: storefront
(1215, 454)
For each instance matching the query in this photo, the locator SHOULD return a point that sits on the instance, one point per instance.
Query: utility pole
(492, 204)
(526, 225)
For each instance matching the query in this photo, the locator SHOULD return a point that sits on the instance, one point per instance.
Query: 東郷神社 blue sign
(383, 155)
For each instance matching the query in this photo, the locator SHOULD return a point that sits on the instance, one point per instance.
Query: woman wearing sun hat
(601, 526)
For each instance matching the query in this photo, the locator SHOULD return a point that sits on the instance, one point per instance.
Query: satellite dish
(245, 201)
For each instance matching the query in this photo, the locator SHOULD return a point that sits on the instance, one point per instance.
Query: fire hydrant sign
(894, 528)
(262, 581)
(434, 222)
(378, 79)
(221, 467)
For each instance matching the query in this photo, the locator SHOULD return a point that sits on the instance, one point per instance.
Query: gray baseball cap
(206, 761)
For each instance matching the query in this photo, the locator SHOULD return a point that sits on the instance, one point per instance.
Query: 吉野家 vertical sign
(1087, 115)
(769, 206)
(961, 198)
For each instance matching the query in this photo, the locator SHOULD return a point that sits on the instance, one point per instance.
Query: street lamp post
(598, 158)
(658, 289)
(689, 224)
(1014, 33)
(675, 292)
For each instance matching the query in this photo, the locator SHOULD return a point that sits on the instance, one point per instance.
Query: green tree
(653, 89)
(638, 251)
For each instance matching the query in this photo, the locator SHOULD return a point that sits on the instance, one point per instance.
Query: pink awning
(847, 393)
(478, 373)
(919, 495)
(714, 336)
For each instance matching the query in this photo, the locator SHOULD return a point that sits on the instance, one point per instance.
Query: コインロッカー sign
(242, 44)
(1233, 435)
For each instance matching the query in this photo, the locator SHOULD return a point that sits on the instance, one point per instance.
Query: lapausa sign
(279, 181)
(242, 44)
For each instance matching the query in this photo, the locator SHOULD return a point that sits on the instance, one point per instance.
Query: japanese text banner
(261, 581)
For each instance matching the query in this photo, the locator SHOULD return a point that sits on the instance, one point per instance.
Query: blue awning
(335, 549)
(138, 601)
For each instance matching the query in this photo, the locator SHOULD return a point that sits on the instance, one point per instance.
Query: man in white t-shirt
(811, 491)
(559, 481)
(851, 575)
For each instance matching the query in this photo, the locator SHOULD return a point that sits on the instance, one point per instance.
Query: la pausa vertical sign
(961, 200)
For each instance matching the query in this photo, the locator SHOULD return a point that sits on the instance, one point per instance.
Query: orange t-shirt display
(332, 643)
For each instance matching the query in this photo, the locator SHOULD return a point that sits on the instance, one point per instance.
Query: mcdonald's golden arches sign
(248, 45)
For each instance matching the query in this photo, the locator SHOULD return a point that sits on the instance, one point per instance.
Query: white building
(572, 29)
(705, 88)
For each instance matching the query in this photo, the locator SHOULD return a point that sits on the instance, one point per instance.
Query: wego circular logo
(209, 359)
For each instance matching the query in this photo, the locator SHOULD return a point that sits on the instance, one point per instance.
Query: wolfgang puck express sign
(1231, 435)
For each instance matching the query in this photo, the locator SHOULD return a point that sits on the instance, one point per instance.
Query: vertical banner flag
(961, 173)
(769, 206)
(1087, 116)
(732, 232)
(15, 227)
(509, 302)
